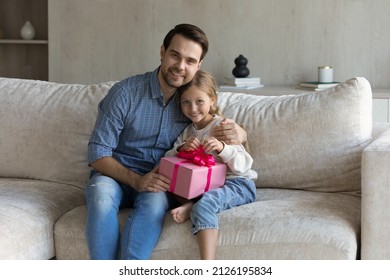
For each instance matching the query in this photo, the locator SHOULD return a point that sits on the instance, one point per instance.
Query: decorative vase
(27, 31)
(241, 71)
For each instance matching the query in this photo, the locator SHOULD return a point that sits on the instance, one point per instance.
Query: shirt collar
(155, 84)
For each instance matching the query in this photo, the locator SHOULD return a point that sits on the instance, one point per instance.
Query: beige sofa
(314, 154)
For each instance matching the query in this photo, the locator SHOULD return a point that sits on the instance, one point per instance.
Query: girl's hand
(212, 144)
(190, 144)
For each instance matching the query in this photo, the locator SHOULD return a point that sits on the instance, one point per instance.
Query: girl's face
(196, 105)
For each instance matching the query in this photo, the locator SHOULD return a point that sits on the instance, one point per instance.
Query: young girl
(198, 101)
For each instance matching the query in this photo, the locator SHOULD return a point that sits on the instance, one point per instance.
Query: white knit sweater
(238, 160)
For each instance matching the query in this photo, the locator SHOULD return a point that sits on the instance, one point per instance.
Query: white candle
(325, 74)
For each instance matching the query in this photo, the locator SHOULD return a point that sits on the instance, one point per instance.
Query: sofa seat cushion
(28, 212)
(281, 224)
(312, 141)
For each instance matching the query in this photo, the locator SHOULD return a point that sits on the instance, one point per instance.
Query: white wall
(285, 40)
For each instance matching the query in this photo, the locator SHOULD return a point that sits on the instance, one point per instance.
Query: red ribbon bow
(198, 157)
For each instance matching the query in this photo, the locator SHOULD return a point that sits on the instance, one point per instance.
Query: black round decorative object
(241, 71)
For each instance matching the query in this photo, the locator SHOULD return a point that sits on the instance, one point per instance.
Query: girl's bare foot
(182, 213)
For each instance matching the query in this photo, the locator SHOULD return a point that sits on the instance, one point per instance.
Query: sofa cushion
(311, 141)
(28, 212)
(54, 122)
(281, 224)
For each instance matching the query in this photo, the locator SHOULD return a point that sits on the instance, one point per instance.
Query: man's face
(179, 62)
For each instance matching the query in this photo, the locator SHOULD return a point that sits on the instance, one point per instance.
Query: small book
(228, 87)
(318, 84)
(309, 88)
(242, 81)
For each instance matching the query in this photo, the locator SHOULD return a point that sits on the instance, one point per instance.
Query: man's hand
(230, 132)
(153, 182)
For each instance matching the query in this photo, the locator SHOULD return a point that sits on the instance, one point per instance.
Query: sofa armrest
(375, 219)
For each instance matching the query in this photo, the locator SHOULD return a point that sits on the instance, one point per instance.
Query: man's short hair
(191, 32)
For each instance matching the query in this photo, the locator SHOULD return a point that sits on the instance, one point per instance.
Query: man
(138, 122)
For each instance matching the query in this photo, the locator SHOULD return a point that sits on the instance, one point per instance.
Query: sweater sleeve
(237, 159)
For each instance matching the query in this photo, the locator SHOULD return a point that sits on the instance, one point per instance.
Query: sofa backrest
(45, 128)
(311, 141)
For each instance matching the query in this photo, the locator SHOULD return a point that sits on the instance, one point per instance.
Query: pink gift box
(190, 180)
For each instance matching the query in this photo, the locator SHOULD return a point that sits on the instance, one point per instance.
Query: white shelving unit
(21, 58)
(23, 42)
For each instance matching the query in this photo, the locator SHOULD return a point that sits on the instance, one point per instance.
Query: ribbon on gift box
(198, 157)
(172, 187)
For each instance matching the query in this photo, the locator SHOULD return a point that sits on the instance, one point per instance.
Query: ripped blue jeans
(142, 229)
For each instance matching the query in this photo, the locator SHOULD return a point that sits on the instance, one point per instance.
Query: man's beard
(171, 82)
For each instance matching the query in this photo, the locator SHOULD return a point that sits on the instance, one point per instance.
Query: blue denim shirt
(134, 126)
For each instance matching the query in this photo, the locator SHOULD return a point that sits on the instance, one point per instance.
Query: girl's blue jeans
(142, 229)
(236, 191)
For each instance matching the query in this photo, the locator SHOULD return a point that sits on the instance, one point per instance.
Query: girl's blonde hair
(205, 82)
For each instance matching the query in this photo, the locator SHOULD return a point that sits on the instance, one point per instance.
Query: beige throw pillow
(311, 141)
